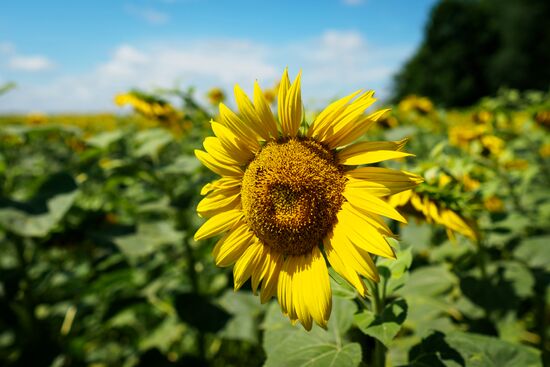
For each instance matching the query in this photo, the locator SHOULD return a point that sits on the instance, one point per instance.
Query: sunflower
(291, 197)
(422, 206)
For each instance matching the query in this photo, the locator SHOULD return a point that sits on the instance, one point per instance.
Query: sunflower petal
(353, 131)
(328, 116)
(293, 110)
(216, 166)
(271, 277)
(362, 199)
(380, 181)
(238, 127)
(343, 268)
(232, 143)
(215, 148)
(249, 114)
(219, 201)
(218, 224)
(246, 264)
(222, 183)
(353, 256)
(264, 111)
(373, 157)
(362, 233)
(319, 296)
(230, 247)
(284, 86)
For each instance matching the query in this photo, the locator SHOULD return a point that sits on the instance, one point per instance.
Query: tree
(471, 48)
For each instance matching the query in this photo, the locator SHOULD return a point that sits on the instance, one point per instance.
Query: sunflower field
(100, 265)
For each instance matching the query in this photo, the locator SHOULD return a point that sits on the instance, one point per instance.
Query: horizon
(73, 57)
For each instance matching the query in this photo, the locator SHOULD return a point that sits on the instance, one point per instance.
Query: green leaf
(150, 142)
(534, 251)
(291, 346)
(385, 326)
(39, 216)
(429, 280)
(245, 309)
(148, 238)
(471, 350)
(394, 273)
(103, 140)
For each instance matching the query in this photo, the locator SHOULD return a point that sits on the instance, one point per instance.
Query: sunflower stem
(378, 307)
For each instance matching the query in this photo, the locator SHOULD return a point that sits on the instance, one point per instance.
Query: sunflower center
(291, 193)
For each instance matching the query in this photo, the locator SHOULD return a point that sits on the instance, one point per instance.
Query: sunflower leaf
(292, 346)
(385, 326)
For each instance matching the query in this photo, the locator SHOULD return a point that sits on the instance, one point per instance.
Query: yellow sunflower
(291, 197)
(415, 204)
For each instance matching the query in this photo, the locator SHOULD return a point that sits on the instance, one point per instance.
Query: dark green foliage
(472, 48)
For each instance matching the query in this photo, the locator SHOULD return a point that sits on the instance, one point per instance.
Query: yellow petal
(215, 148)
(352, 131)
(380, 181)
(344, 269)
(317, 286)
(230, 247)
(218, 167)
(271, 277)
(238, 127)
(249, 114)
(353, 256)
(370, 146)
(284, 288)
(232, 143)
(330, 114)
(246, 264)
(264, 111)
(400, 199)
(284, 86)
(292, 109)
(218, 224)
(360, 230)
(373, 157)
(348, 118)
(218, 201)
(222, 183)
(362, 199)
(302, 290)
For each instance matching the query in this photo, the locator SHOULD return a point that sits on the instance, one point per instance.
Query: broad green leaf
(39, 216)
(534, 251)
(103, 140)
(245, 309)
(148, 238)
(150, 142)
(166, 334)
(340, 287)
(394, 273)
(385, 326)
(471, 350)
(292, 346)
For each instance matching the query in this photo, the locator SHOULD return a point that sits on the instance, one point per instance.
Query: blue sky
(76, 55)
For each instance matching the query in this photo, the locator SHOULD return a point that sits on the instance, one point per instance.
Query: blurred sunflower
(290, 195)
(420, 205)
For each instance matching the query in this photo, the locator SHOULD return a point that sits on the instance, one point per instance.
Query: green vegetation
(98, 266)
(472, 48)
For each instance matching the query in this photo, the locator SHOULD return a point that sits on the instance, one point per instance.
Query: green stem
(379, 348)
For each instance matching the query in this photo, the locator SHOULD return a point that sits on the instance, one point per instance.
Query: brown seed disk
(291, 193)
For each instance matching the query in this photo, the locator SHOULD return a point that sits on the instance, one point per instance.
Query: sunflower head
(294, 196)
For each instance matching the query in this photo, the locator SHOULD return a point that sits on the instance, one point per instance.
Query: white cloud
(334, 63)
(30, 63)
(12, 60)
(6, 48)
(150, 15)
